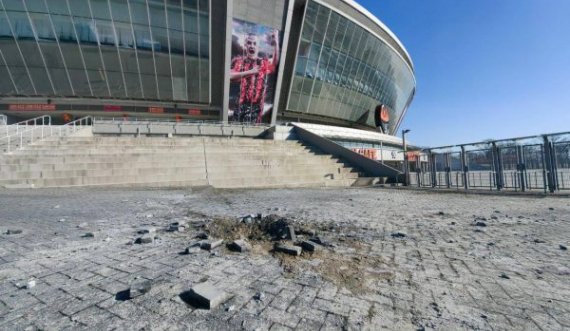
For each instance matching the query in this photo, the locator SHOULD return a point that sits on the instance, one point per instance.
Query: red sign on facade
(194, 112)
(370, 153)
(111, 108)
(157, 110)
(31, 107)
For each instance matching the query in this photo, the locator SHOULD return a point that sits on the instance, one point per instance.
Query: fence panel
(481, 172)
(562, 157)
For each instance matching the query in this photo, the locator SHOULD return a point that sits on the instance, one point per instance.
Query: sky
(485, 69)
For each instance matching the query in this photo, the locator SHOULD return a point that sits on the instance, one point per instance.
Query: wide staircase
(170, 162)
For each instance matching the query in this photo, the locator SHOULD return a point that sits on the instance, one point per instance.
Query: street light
(406, 169)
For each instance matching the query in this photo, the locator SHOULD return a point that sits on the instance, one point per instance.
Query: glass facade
(344, 71)
(120, 49)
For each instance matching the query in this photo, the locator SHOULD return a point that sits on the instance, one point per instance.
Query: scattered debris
(562, 247)
(88, 235)
(310, 246)
(239, 246)
(83, 225)
(14, 231)
(204, 295)
(399, 234)
(202, 235)
(259, 296)
(504, 276)
(145, 239)
(288, 249)
(211, 244)
(149, 230)
(139, 288)
(539, 241)
(179, 226)
(480, 223)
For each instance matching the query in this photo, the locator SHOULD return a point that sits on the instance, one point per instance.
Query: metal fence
(535, 163)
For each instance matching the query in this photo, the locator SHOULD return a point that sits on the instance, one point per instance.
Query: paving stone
(211, 244)
(204, 295)
(288, 249)
(310, 246)
(145, 239)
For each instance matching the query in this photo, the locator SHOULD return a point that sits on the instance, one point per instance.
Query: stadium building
(256, 61)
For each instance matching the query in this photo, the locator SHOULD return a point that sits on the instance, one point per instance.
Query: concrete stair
(171, 162)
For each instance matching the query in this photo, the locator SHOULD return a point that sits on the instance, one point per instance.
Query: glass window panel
(120, 11)
(315, 52)
(348, 37)
(190, 22)
(339, 35)
(331, 30)
(115, 80)
(160, 39)
(6, 86)
(176, 42)
(146, 62)
(129, 60)
(124, 33)
(36, 6)
(92, 57)
(165, 87)
(43, 27)
(205, 81)
(149, 86)
(157, 14)
(22, 80)
(192, 44)
(190, 4)
(110, 58)
(105, 32)
(322, 20)
(31, 53)
(79, 81)
(309, 23)
(79, 8)
(162, 64)
(60, 81)
(204, 25)
(64, 30)
(174, 13)
(52, 56)
(100, 9)
(72, 56)
(193, 76)
(86, 32)
(301, 66)
(21, 25)
(14, 5)
(203, 4)
(4, 27)
(204, 47)
(139, 11)
(41, 81)
(98, 82)
(134, 87)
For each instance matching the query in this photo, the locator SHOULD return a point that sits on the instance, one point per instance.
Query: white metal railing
(35, 133)
(25, 125)
(134, 120)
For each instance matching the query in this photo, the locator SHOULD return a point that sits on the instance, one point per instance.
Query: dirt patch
(356, 271)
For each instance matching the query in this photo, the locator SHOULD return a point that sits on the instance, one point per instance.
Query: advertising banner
(253, 72)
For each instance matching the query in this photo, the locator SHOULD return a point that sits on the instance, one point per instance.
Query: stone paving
(450, 261)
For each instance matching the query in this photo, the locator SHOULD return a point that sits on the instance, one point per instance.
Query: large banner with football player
(253, 72)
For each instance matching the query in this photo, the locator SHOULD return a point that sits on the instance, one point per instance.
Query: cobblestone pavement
(431, 261)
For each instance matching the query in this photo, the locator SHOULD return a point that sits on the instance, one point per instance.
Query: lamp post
(406, 168)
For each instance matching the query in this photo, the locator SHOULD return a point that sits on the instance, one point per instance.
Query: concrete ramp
(368, 167)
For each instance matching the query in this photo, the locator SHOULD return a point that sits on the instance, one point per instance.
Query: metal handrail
(16, 141)
(130, 120)
(36, 121)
